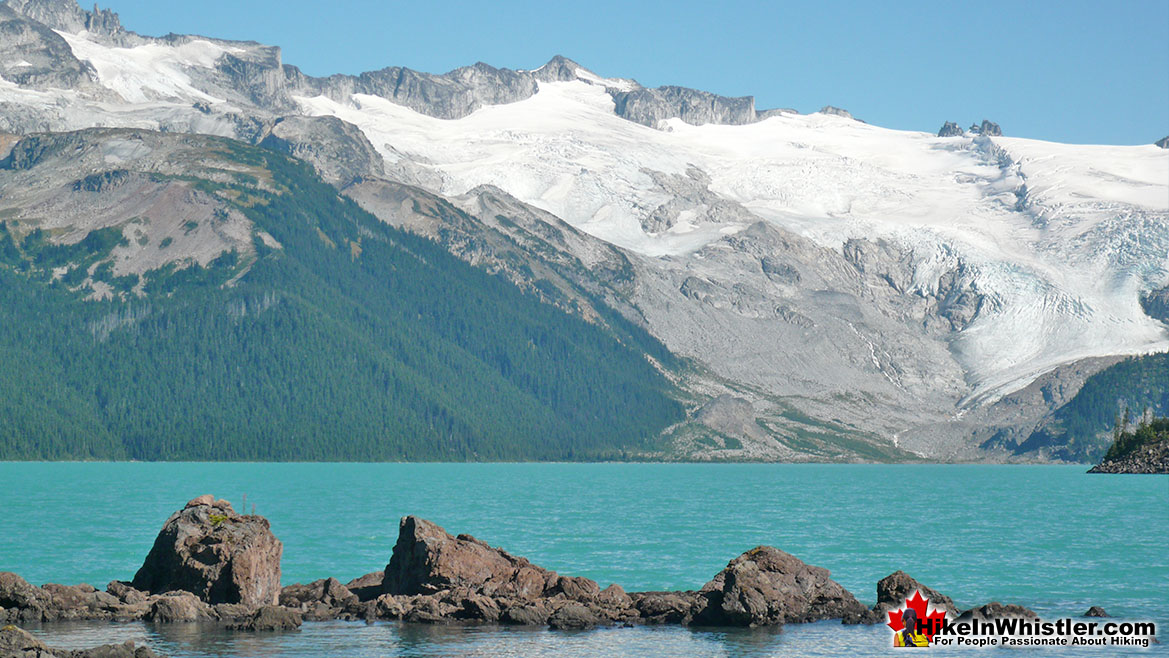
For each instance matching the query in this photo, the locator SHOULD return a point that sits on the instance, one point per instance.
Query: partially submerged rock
(1096, 611)
(893, 590)
(768, 587)
(269, 618)
(220, 556)
(19, 643)
(996, 610)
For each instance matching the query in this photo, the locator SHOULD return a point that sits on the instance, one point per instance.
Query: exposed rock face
(768, 587)
(451, 95)
(32, 55)
(1163, 142)
(950, 129)
(178, 607)
(987, 128)
(339, 151)
(220, 556)
(1156, 303)
(651, 106)
(836, 111)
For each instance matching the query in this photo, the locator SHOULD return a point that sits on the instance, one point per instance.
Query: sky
(1068, 71)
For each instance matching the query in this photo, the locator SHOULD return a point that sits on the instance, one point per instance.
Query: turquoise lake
(1050, 537)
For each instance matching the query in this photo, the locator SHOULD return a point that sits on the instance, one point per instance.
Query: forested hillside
(1082, 427)
(349, 341)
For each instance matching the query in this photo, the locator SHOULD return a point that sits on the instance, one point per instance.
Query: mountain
(830, 289)
(239, 308)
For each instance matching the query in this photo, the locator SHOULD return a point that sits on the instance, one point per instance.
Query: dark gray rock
(768, 587)
(1156, 304)
(836, 111)
(1096, 611)
(32, 55)
(651, 106)
(339, 151)
(269, 618)
(526, 614)
(987, 128)
(1163, 142)
(222, 557)
(950, 129)
(327, 591)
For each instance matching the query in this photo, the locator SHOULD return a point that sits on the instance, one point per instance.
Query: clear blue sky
(1070, 71)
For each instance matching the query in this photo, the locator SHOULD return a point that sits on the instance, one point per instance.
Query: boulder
(367, 587)
(269, 618)
(176, 607)
(19, 642)
(768, 587)
(328, 591)
(573, 616)
(426, 559)
(220, 556)
(526, 614)
(125, 592)
(23, 601)
(665, 607)
(893, 590)
(1096, 611)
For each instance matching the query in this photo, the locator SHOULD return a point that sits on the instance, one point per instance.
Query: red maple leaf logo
(931, 621)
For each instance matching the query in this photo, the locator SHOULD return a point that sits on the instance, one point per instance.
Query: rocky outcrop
(651, 106)
(33, 55)
(996, 610)
(339, 151)
(1149, 459)
(19, 643)
(768, 587)
(1156, 304)
(268, 618)
(220, 556)
(1163, 142)
(950, 129)
(987, 128)
(1096, 611)
(836, 111)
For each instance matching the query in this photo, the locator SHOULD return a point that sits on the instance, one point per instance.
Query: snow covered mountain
(837, 284)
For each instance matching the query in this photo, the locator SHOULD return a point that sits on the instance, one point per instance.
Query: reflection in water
(392, 639)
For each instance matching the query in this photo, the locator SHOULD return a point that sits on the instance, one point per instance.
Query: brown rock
(526, 614)
(768, 587)
(427, 559)
(328, 591)
(665, 607)
(19, 642)
(573, 616)
(1096, 611)
(367, 587)
(174, 607)
(25, 602)
(614, 596)
(125, 592)
(205, 499)
(269, 618)
(220, 556)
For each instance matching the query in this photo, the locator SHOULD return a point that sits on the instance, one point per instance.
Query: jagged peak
(68, 16)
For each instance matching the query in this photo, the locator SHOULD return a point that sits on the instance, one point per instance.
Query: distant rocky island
(211, 565)
(1144, 450)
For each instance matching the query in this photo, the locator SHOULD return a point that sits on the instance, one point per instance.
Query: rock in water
(427, 559)
(768, 587)
(894, 589)
(220, 556)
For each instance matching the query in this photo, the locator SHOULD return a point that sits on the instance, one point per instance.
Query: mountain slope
(325, 334)
(837, 280)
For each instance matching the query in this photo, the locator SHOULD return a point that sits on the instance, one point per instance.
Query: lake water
(1049, 537)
